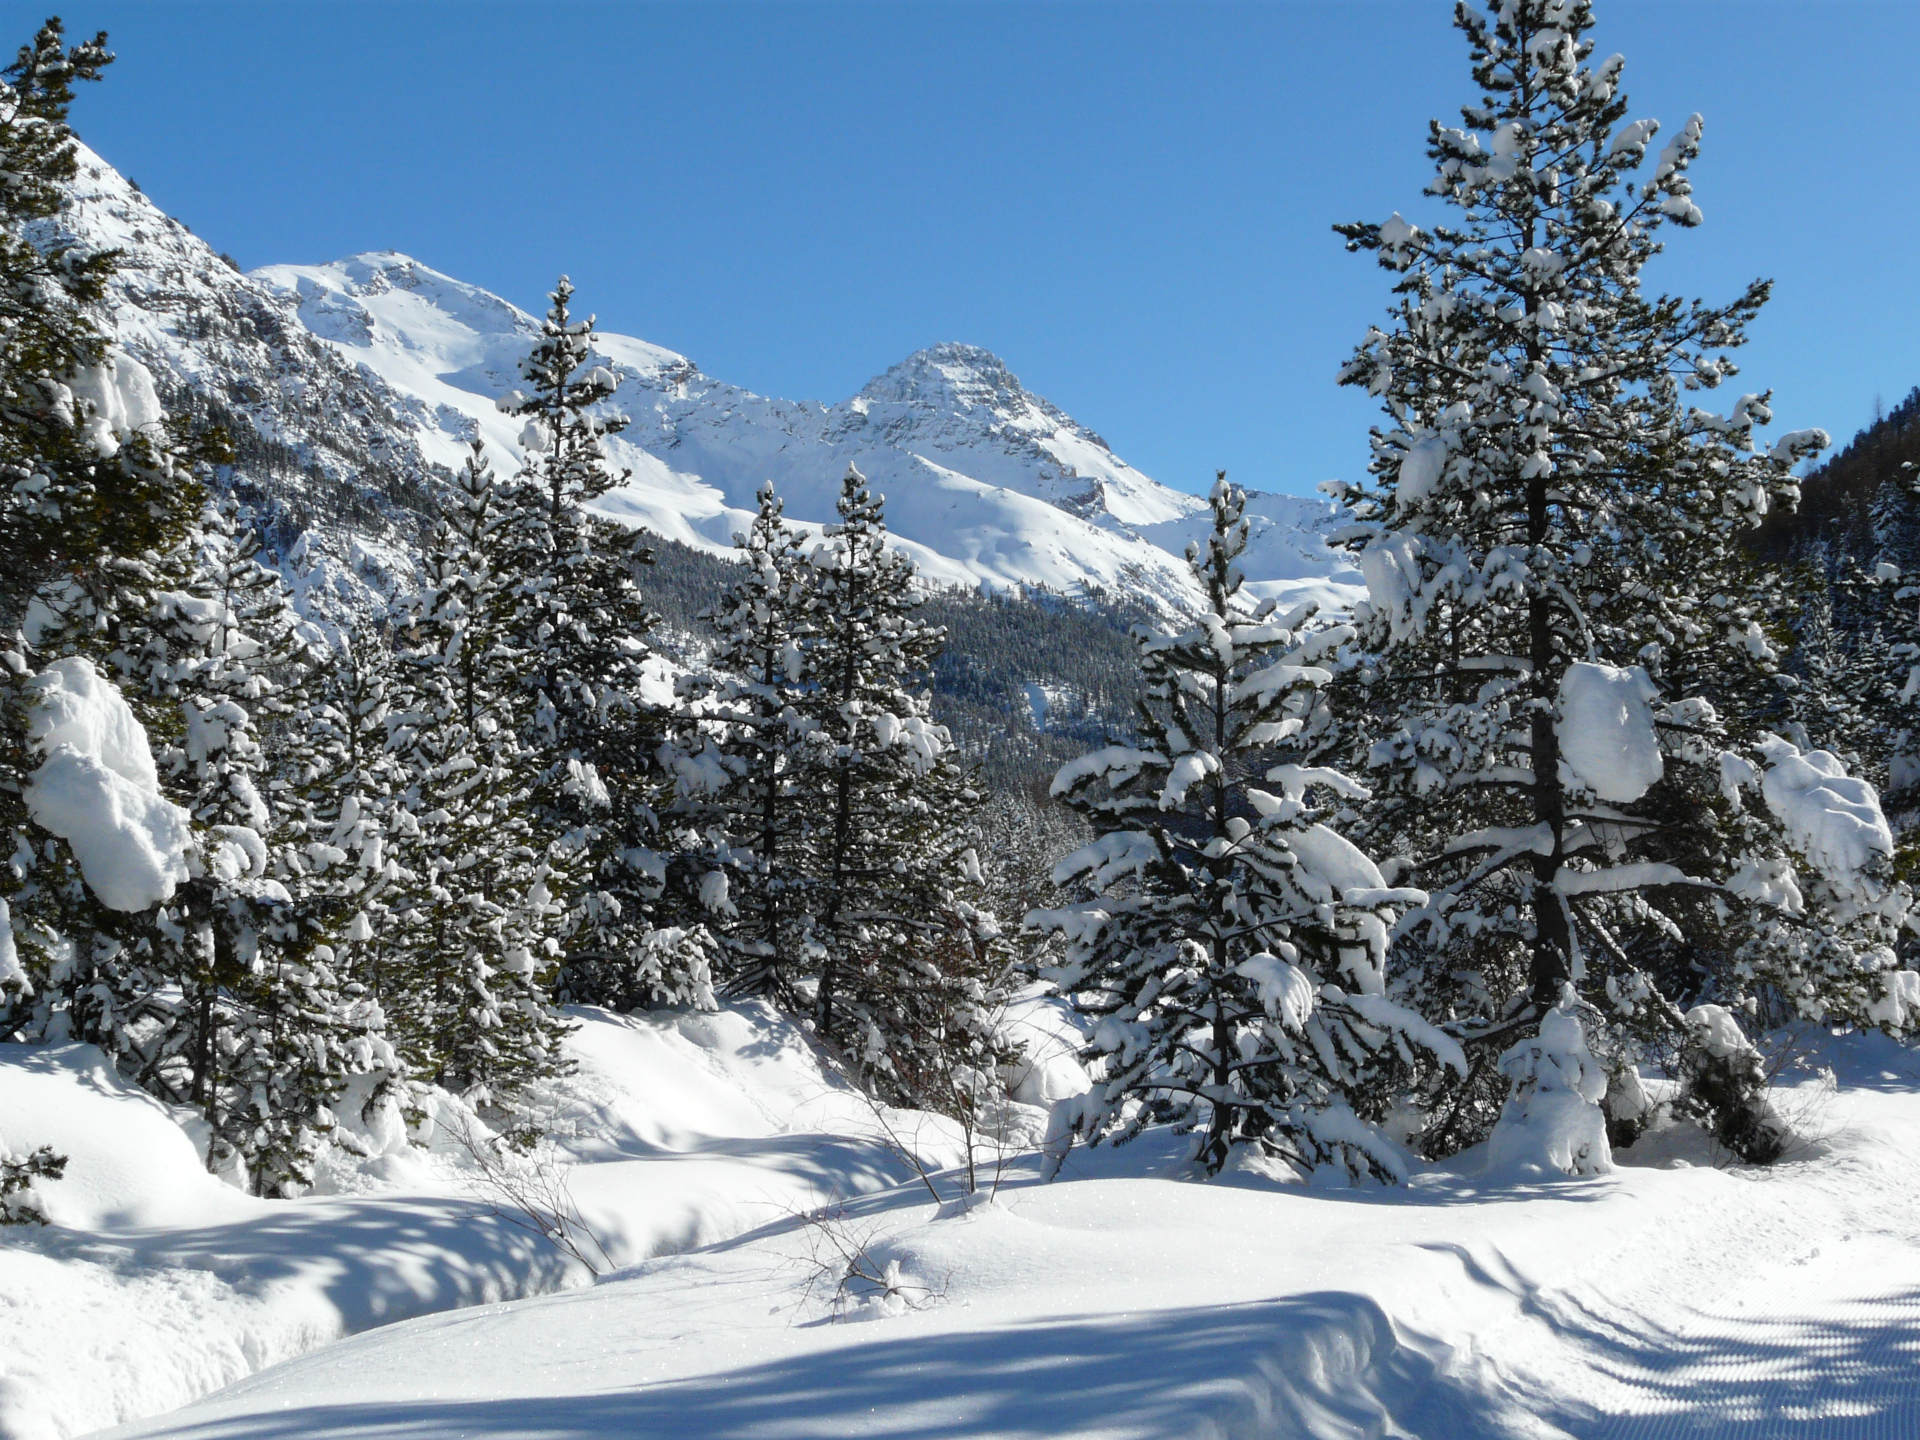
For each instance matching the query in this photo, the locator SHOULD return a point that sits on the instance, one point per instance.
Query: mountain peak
(956, 356)
(374, 368)
(948, 375)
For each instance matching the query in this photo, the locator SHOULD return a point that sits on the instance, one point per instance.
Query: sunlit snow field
(726, 1173)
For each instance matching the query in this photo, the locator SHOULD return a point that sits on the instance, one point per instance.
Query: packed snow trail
(1801, 1323)
(1834, 1358)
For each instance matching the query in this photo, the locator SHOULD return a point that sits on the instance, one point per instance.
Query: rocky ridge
(351, 387)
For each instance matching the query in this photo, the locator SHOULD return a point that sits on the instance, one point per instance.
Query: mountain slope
(985, 483)
(347, 384)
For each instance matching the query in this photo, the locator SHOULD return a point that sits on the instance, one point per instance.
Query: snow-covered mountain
(358, 376)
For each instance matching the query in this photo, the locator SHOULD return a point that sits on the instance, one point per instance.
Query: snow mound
(1552, 1123)
(119, 400)
(1607, 740)
(1043, 1024)
(75, 705)
(130, 1164)
(97, 788)
(156, 1283)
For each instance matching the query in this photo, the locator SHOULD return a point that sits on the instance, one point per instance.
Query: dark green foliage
(759, 744)
(901, 958)
(1857, 501)
(629, 890)
(473, 945)
(19, 1205)
(67, 499)
(1723, 1086)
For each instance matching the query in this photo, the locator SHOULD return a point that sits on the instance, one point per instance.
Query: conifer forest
(540, 884)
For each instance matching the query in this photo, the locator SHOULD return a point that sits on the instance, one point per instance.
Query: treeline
(1002, 655)
(1859, 501)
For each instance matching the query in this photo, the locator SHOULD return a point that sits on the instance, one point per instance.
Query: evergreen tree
(579, 618)
(235, 918)
(299, 1027)
(1232, 951)
(1563, 635)
(85, 474)
(20, 1202)
(472, 950)
(341, 782)
(338, 786)
(904, 965)
(759, 704)
(217, 997)
(1856, 655)
(96, 508)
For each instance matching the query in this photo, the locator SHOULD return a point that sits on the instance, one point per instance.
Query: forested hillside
(1023, 683)
(1858, 501)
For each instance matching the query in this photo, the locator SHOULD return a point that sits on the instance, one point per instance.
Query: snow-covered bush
(1552, 1123)
(1723, 1085)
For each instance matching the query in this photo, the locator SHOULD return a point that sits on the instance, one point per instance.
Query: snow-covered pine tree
(473, 948)
(582, 623)
(1563, 633)
(758, 704)
(201, 994)
(258, 736)
(336, 787)
(20, 1202)
(904, 959)
(337, 779)
(85, 473)
(92, 496)
(1232, 946)
(233, 916)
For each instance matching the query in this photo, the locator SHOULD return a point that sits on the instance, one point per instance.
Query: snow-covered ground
(157, 1283)
(1670, 1297)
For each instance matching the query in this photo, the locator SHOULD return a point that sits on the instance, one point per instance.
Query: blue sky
(1129, 202)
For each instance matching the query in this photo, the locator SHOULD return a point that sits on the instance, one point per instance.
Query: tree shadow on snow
(1308, 1366)
(1850, 1373)
(1853, 1376)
